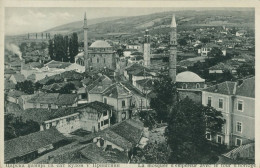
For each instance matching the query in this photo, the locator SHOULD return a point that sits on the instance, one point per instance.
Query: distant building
(99, 55)
(236, 101)
(241, 33)
(49, 100)
(15, 78)
(221, 68)
(204, 50)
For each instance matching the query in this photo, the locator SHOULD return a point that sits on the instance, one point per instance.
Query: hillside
(157, 23)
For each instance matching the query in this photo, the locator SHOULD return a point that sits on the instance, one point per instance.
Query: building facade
(236, 101)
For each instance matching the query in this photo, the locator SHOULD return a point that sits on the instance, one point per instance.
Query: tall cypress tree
(51, 49)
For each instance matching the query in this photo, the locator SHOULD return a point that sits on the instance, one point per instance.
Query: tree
(15, 127)
(67, 89)
(152, 153)
(25, 86)
(185, 133)
(74, 47)
(246, 69)
(182, 42)
(205, 40)
(66, 46)
(51, 49)
(215, 52)
(166, 95)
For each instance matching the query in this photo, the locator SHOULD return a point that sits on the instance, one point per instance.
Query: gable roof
(221, 66)
(19, 77)
(98, 155)
(147, 83)
(66, 99)
(227, 88)
(247, 88)
(16, 93)
(99, 106)
(23, 145)
(117, 90)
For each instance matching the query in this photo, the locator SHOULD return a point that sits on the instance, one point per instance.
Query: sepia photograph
(127, 85)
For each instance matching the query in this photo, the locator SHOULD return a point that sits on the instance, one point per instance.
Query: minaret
(85, 29)
(146, 49)
(173, 50)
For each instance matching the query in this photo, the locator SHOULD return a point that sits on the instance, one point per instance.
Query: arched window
(184, 86)
(197, 85)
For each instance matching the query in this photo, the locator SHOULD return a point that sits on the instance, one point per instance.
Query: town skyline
(24, 17)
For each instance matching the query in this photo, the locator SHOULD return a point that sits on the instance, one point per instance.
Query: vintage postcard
(140, 84)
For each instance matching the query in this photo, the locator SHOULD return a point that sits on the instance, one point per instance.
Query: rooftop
(100, 44)
(23, 145)
(188, 76)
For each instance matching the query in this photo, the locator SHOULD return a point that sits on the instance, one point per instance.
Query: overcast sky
(24, 20)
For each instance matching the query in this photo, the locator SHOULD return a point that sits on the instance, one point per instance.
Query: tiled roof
(136, 67)
(247, 88)
(117, 90)
(9, 71)
(57, 64)
(29, 143)
(100, 84)
(66, 99)
(148, 83)
(221, 66)
(126, 134)
(40, 115)
(19, 77)
(9, 85)
(133, 89)
(99, 106)
(130, 130)
(227, 88)
(98, 155)
(244, 151)
(16, 93)
(44, 98)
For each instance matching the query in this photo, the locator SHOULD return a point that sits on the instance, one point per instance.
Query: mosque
(100, 54)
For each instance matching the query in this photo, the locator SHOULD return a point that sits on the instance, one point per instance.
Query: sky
(21, 20)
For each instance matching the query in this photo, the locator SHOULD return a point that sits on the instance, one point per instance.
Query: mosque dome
(100, 44)
(188, 76)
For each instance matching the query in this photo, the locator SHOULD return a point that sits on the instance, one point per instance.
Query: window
(105, 100)
(239, 127)
(208, 136)
(220, 103)
(197, 85)
(41, 105)
(238, 142)
(219, 139)
(209, 101)
(123, 103)
(240, 105)
(104, 60)
(184, 86)
(102, 123)
(97, 60)
(105, 122)
(105, 113)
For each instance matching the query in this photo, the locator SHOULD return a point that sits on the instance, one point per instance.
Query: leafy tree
(246, 69)
(185, 133)
(23, 47)
(33, 45)
(182, 42)
(38, 86)
(166, 95)
(215, 52)
(43, 45)
(120, 52)
(148, 118)
(15, 127)
(152, 153)
(74, 45)
(25, 86)
(205, 40)
(67, 89)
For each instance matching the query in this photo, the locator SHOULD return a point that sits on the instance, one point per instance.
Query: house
(241, 33)
(137, 72)
(15, 78)
(94, 154)
(236, 101)
(95, 116)
(50, 101)
(14, 95)
(26, 148)
(221, 67)
(124, 136)
(8, 73)
(204, 50)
